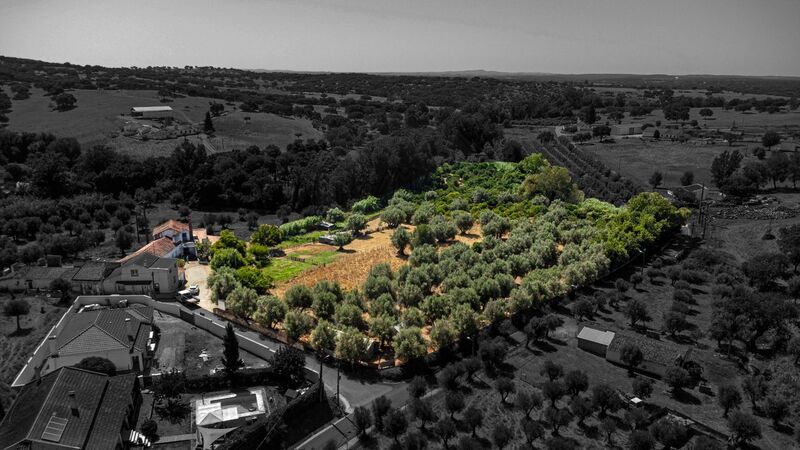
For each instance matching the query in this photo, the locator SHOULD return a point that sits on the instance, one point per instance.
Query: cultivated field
(638, 158)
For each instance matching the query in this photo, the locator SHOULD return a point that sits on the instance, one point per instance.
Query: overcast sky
(747, 37)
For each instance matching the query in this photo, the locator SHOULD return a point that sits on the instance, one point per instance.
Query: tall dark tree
(65, 102)
(632, 356)
(288, 363)
(208, 125)
(17, 308)
(655, 179)
(588, 115)
(123, 240)
(230, 353)
(724, 165)
(770, 139)
(728, 398)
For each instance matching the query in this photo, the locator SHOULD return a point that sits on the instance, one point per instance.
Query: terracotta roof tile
(159, 247)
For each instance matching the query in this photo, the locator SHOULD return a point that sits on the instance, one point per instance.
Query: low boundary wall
(30, 371)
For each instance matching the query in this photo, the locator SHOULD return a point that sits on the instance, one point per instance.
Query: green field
(286, 268)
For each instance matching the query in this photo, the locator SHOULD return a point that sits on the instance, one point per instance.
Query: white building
(147, 274)
(122, 334)
(152, 112)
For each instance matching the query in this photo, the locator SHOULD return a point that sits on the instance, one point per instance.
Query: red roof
(159, 247)
(171, 224)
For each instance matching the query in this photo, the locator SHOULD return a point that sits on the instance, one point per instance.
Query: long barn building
(152, 112)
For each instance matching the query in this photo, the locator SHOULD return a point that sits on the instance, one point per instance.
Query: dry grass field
(232, 131)
(97, 115)
(638, 158)
(351, 267)
(100, 115)
(748, 121)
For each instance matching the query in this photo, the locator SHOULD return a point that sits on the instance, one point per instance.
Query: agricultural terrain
(101, 116)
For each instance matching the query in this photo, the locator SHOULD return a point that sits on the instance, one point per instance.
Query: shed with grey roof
(595, 341)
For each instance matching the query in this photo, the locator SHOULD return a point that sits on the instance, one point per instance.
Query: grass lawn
(287, 267)
(301, 239)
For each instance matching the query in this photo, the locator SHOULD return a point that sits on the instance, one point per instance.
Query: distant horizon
(736, 37)
(413, 72)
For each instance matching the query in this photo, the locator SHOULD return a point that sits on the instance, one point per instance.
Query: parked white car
(194, 289)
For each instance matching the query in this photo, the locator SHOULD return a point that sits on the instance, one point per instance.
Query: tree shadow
(680, 339)
(783, 428)
(21, 332)
(556, 341)
(545, 346)
(686, 397)
(535, 352)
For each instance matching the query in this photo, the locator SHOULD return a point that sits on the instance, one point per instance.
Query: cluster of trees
(592, 176)
(5, 106)
(732, 178)
(758, 318)
(36, 227)
(458, 289)
(562, 398)
(240, 270)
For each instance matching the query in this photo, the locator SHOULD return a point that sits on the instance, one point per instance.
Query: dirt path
(197, 273)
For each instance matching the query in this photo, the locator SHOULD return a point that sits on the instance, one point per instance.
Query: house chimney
(191, 231)
(129, 327)
(52, 346)
(73, 403)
